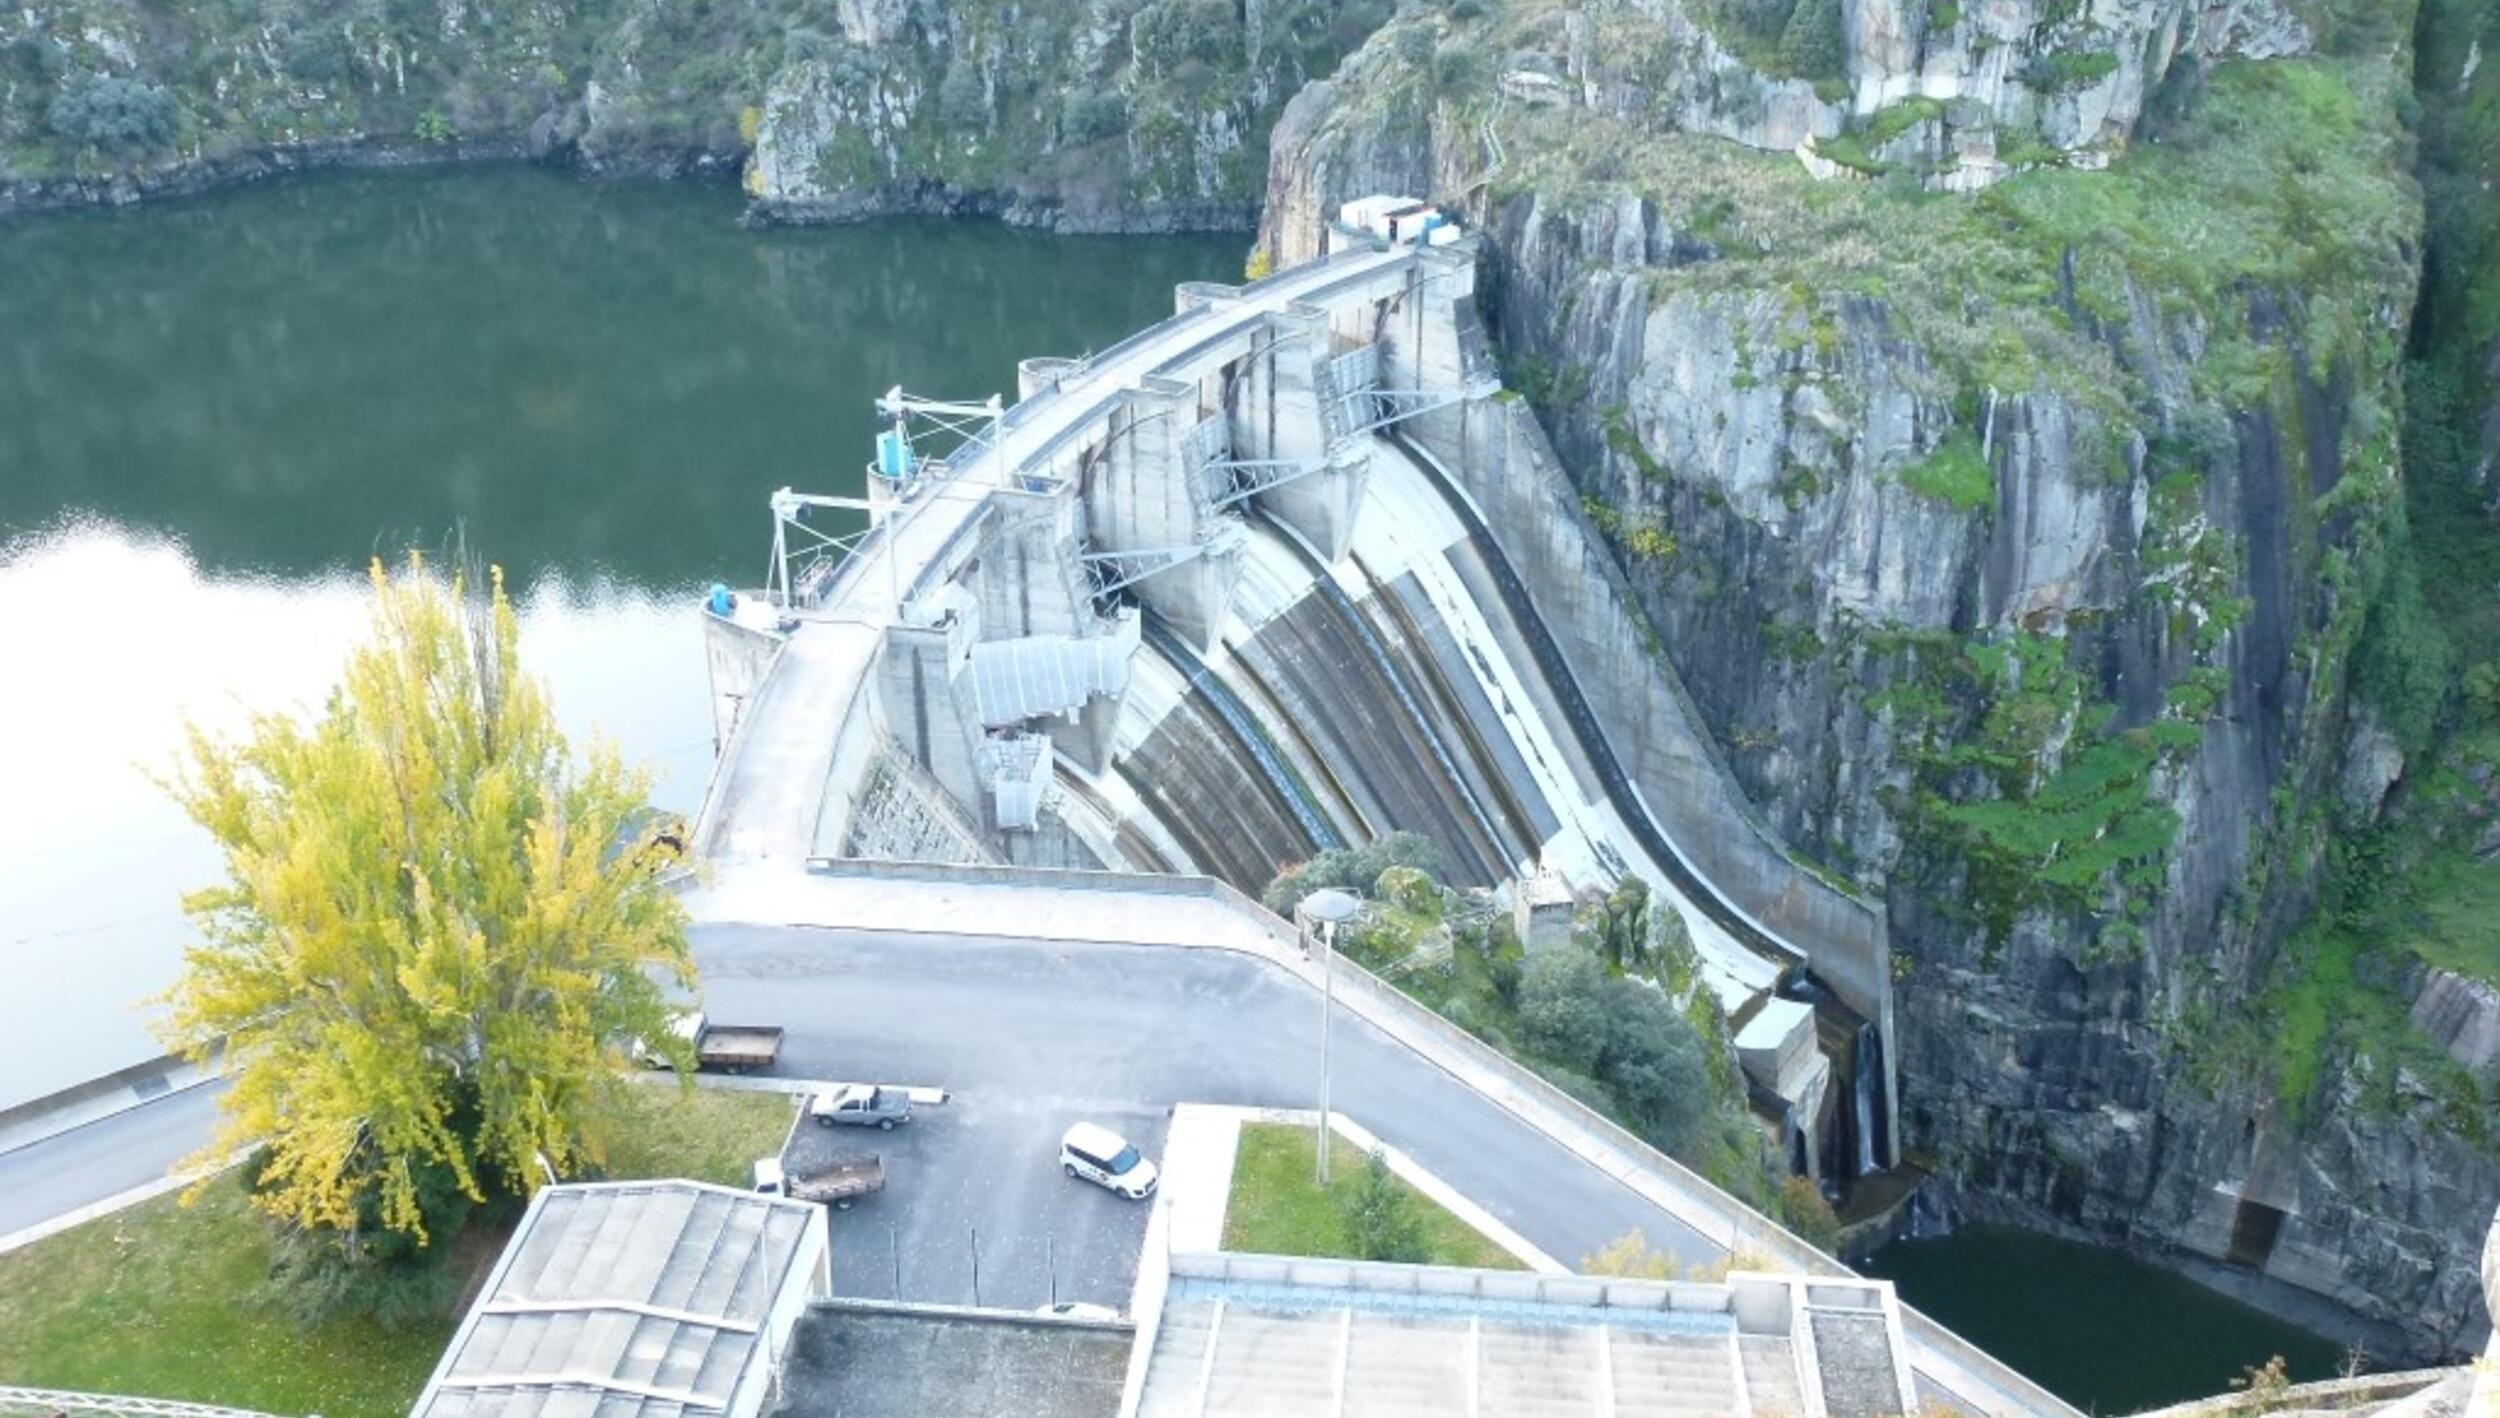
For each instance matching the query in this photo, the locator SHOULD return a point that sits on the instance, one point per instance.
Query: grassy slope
(162, 1300)
(1278, 1209)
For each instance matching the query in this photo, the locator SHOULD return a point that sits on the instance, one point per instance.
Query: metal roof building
(1243, 1336)
(636, 1300)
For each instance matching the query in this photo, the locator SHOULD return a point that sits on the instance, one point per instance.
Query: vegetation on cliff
(2062, 559)
(1618, 1017)
(2269, 216)
(1140, 103)
(2414, 885)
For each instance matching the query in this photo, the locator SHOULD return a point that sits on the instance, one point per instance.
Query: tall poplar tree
(437, 928)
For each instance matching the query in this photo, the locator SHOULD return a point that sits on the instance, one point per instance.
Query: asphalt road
(104, 1158)
(1032, 1037)
(1029, 1037)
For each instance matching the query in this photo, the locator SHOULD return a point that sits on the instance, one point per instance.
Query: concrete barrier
(37, 1119)
(2334, 1394)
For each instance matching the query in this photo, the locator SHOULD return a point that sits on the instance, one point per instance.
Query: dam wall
(1195, 604)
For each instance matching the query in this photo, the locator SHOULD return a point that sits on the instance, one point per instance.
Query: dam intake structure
(1283, 573)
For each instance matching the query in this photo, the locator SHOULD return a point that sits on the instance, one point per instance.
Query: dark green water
(595, 378)
(2106, 1333)
(213, 412)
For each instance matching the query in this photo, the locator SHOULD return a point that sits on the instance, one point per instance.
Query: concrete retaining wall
(36, 1119)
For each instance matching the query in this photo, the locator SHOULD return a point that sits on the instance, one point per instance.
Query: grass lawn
(164, 1300)
(708, 1134)
(1278, 1209)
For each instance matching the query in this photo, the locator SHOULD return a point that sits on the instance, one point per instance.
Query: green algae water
(214, 412)
(2105, 1332)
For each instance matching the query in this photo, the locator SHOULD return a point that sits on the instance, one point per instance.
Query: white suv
(1108, 1160)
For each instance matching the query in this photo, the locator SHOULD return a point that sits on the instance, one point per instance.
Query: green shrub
(1804, 1211)
(1956, 473)
(963, 101)
(2402, 665)
(1562, 1010)
(1408, 890)
(1653, 1063)
(1092, 117)
(2065, 70)
(1355, 869)
(1813, 46)
(1381, 1219)
(106, 111)
(1457, 66)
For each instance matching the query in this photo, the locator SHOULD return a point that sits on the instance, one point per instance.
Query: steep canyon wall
(1080, 114)
(2033, 556)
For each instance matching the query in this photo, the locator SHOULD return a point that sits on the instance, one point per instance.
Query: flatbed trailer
(729, 1048)
(837, 1183)
(737, 1048)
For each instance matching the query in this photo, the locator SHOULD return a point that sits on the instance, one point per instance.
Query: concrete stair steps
(1771, 1380)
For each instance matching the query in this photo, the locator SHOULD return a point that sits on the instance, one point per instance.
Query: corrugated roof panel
(716, 1289)
(702, 1236)
(566, 1321)
(652, 1340)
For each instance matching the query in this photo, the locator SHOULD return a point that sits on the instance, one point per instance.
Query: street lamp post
(1326, 910)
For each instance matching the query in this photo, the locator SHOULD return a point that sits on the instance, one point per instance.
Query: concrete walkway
(956, 907)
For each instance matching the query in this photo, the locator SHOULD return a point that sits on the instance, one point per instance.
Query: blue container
(893, 456)
(720, 601)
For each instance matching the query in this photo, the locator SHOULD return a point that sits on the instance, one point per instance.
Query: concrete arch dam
(1238, 590)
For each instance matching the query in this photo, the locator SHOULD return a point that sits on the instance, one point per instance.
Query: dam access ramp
(1227, 595)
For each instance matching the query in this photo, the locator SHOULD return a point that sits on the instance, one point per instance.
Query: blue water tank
(720, 601)
(893, 456)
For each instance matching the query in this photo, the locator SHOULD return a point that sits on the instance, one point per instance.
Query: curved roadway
(1030, 1036)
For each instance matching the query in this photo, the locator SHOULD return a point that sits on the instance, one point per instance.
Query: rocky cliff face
(1094, 114)
(1111, 115)
(2019, 549)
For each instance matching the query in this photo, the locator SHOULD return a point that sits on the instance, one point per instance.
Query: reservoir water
(2100, 1329)
(213, 412)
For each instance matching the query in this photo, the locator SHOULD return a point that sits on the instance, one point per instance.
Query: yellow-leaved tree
(437, 929)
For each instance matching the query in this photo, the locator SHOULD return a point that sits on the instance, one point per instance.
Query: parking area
(1032, 1036)
(975, 1209)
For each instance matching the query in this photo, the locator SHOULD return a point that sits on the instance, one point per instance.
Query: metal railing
(49, 1401)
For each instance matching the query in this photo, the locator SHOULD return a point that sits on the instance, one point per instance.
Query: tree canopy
(437, 926)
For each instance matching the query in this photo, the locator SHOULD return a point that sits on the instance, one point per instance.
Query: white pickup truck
(860, 1105)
